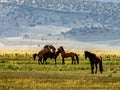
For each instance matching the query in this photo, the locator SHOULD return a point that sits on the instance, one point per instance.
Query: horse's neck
(62, 52)
(57, 53)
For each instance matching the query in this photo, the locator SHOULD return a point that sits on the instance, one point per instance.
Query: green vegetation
(18, 71)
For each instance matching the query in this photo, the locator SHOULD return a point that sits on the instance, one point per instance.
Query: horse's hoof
(92, 72)
(63, 63)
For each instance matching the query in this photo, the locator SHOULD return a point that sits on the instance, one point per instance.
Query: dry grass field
(18, 71)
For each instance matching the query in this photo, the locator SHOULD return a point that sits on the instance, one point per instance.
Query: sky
(109, 0)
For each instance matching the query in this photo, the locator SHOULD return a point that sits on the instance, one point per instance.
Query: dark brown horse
(51, 55)
(94, 60)
(66, 55)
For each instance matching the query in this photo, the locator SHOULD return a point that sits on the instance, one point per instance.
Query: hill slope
(86, 21)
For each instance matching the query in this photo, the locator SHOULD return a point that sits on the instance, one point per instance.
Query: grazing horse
(94, 60)
(66, 55)
(48, 55)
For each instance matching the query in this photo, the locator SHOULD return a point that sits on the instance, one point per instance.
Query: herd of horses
(49, 51)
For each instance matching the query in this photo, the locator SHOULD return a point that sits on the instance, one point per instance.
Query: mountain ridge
(86, 21)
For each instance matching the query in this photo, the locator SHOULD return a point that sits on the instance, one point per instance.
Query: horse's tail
(101, 66)
(34, 56)
(77, 58)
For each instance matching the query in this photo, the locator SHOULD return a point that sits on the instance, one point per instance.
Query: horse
(46, 48)
(66, 55)
(47, 55)
(94, 60)
(51, 47)
(41, 54)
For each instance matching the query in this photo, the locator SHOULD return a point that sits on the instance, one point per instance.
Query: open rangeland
(18, 71)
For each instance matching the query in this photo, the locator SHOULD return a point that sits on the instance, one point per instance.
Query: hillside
(86, 21)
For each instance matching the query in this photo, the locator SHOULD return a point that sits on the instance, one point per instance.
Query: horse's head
(60, 49)
(86, 54)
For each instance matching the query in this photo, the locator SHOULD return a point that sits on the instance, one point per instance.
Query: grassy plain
(18, 71)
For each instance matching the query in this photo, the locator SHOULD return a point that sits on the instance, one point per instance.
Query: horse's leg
(92, 68)
(55, 61)
(73, 60)
(96, 68)
(44, 60)
(63, 62)
(39, 60)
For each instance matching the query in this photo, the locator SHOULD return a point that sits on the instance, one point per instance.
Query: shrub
(12, 67)
(3, 61)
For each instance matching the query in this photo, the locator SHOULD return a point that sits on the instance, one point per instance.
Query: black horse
(94, 60)
(51, 55)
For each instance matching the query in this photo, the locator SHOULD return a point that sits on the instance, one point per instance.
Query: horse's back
(99, 58)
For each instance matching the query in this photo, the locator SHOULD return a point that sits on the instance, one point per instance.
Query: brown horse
(51, 47)
(66, 55)
(94, 60)
(41, 54)
(47, 55)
